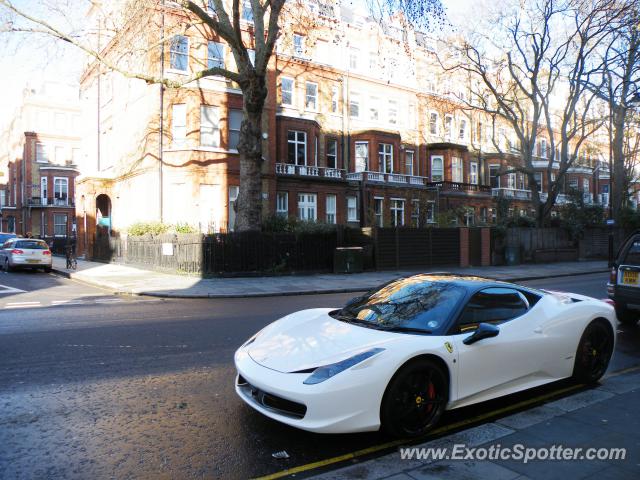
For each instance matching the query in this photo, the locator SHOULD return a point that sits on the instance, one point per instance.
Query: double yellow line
(437, 432)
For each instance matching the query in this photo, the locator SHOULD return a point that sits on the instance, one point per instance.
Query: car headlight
(325, 372)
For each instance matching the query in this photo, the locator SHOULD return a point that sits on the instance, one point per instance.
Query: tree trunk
(249, 204)
(618, 185)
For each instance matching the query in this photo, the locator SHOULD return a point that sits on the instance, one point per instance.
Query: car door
(505, 363)
(3, 251)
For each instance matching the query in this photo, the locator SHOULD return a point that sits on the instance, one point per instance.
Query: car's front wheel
(626, 316)
(414, 399)
(594, 352)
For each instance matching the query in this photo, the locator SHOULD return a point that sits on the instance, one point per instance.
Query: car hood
(312, 338)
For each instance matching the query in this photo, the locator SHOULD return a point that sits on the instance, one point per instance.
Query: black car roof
(470, 282)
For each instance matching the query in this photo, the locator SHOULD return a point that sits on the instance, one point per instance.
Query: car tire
(594, 352)
(47, 269)
(415, 399)
(7, 267)
(626, 316)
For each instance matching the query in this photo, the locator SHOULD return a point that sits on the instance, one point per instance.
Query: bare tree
(527, 67)
(619, 86)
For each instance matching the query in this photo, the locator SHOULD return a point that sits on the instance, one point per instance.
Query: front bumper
(348, 402)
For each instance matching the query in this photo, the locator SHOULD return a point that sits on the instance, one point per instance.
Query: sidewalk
(129, 280)
(605, 417)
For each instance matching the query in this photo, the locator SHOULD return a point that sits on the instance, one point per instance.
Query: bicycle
(72, 262)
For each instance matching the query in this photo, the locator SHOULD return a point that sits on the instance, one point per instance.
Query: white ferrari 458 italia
(403, 353)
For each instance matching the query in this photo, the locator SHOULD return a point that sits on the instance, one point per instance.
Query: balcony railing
(393, 178)
(513, 193)
(561, 199)
(44, 202)
(461, 187)
(309, 171)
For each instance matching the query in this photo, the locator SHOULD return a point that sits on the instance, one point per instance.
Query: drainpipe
(161, 118)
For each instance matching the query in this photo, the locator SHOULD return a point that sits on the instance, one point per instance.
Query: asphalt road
(95, 386)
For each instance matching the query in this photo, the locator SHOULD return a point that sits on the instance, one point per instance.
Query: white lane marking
(8, 289)
(22, 303)
(21, 306)
(110, 300)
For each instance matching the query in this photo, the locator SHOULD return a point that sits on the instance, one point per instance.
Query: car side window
(633, 254)
(492, 305)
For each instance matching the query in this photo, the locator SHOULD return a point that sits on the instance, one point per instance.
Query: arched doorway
(103, 215)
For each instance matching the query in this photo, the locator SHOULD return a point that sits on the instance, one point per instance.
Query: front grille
(270, 401)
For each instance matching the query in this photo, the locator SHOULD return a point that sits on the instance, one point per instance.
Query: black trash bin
(347, 260)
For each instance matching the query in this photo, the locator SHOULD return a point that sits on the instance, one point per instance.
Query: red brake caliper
(431, 393)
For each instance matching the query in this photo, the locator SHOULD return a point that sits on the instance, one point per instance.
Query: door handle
(537, 330)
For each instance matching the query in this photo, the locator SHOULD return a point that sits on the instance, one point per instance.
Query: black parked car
(624, 283)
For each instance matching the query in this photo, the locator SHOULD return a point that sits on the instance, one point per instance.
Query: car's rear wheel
(626, 316)
(7, 267)
(594, 352)
(415, 399)
(47, 269)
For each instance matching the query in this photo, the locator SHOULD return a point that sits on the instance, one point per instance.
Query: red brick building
(39, 161)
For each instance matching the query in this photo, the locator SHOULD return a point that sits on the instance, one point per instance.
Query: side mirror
(484, 330)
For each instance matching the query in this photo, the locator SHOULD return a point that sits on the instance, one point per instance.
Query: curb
(116, 291)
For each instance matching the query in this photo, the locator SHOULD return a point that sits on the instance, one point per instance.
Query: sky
(29, 63)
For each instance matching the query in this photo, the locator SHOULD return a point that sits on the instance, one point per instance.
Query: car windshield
(414, 304)
(31, 244)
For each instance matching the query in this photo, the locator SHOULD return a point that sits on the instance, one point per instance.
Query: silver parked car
(25, 253)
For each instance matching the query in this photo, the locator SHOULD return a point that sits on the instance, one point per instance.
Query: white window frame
(440, 169)
(331, 209)
(374, 109)
(57, 224)
(539, 177)
(497, 176)
(352, 208)
(58, 197)
(357, 166)
(586, 188)
(473, 173)
(308, 206)
(247, 12)
(298, 45)
(174, 53)
(543, 148)
(42, 153)
(397, 212)
(392, 112)
(311, 98)
(379, 215)
(354, 54)
(234, 191)
(457, 170)
(434, 118)
(296, 141)
(385, 157)
(409, 162)
(462, 129)
(44, 190)
(210, 126)
(179, 124)
(354, 99)
(415, 213)
(232, 143)
(334, 155)
(448, 127)
(290, 92)
(282, 204)
(335, 99)
(431, 211)
(216, 60)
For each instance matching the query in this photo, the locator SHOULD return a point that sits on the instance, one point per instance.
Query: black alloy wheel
(415, 399)
(594, 352)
